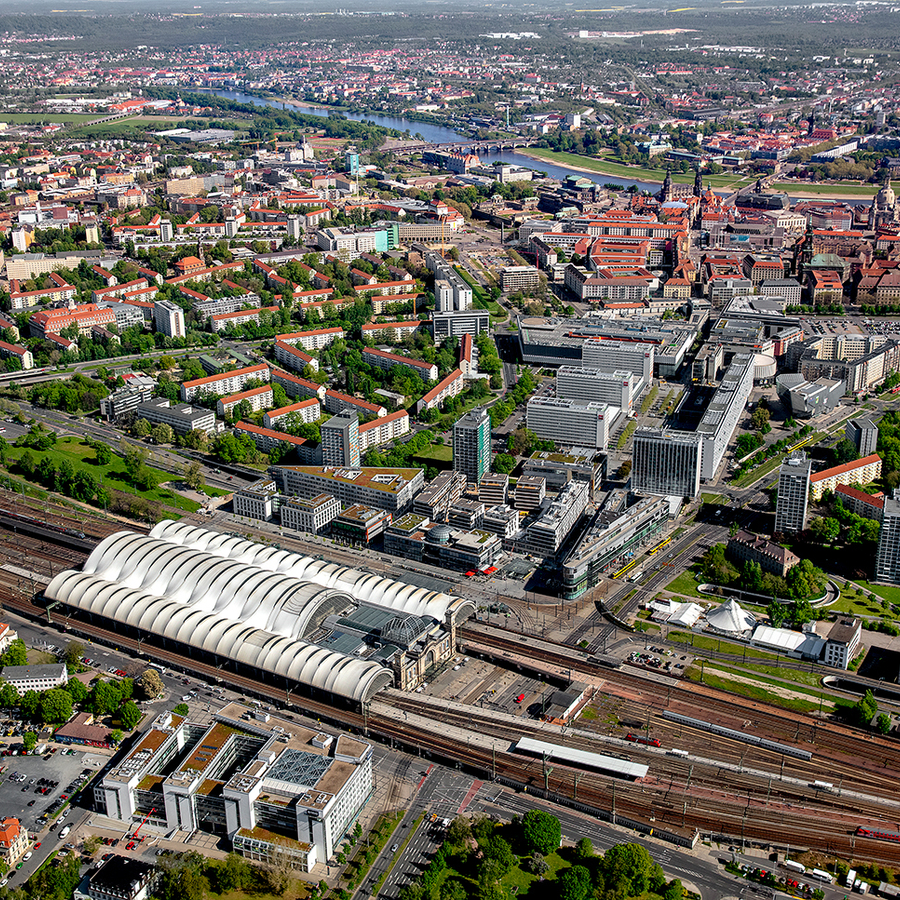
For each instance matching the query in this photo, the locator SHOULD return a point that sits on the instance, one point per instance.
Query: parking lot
(63, 768)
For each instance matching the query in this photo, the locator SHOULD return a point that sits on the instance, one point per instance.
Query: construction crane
(134, 836)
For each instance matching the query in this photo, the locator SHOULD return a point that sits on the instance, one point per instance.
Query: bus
(161, 669)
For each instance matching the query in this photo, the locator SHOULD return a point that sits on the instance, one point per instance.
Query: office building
(545, 536)
(168, 318)
(793, 494)
(666, 463)
(607, 541)
(340, 441)
(557, 469)
(493, 489)
(842, 643)
(291, 793)
(182, 417)
(864, 434)
(442, 492)
(573, 423)
(36, 678)
(259, 500)
(360, 524)
(309, 514)
(595, 386)
(457, 322)
(390, 489)
(472, 444)
(125, 400)
(530, 492)
(887, 559)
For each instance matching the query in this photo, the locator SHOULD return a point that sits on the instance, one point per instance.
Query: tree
(29, 741)
(279, 871)
(130, 715)
(181, 709)
(9, 696)
(193, 476)
(628, 870)
(182, 878)
(142, 428)
(777, 613)
(624, 470)
(584, 849)
(541, 831)
(805, 580)
(573, 883)
(56, 705)
(29, 704)
(865, 709)
(883, 724)
(499, 850)
(102, 454)
(150, 684)
(76, 690)
(115, 736)
(844, 451)
(459, 832)
(232, 874)
(16, 654)
(105, 697)
(760, 419)
(91, 844)
(674, 890)
(163, 433)
(74, 653)
(537, 864)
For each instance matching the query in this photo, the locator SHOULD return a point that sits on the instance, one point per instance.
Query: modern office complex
(557, 519)
(273, 786)
(595, 386)
(390, 489)
(605, 544)
(572, 423)
(182, 417)
(666, 463)
(472, 444)
(793, 494)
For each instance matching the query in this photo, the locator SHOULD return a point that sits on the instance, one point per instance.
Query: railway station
(295, 622)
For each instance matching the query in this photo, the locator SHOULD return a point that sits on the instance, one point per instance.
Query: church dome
(885, 198)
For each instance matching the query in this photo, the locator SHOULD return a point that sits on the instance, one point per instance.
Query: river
(439, 134)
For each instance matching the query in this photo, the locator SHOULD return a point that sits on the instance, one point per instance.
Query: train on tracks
(640, 739)
(878, 834)
(39, 523)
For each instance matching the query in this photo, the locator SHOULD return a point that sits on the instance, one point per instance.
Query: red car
(130, 846)
(38, 844)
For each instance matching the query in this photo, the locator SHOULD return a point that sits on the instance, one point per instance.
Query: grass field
(882, 590)
(685, 584)
(480, 297)
(605, 167)
(751, 691)
(81, 456)
(439, 452)
(830, 190)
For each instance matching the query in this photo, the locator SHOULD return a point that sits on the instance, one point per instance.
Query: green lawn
(751, 691)
(832, 190)
(882, 590)
(702, 642)
(685, 583)
(113, 476)
(480, 297)
(438, 452)
(521, 880)
(605, 167)
(714, 499)
(851, 602)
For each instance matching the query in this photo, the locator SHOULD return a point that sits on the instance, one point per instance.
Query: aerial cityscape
(449, 453)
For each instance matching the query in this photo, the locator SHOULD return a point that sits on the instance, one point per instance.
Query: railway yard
(718, 766)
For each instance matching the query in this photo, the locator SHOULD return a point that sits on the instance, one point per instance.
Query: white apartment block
(306, 410)
(380, 431)
(382, 359)
(225, 383)
(168, 318)
(259, 398)
(295, 358)
(450, 386)
(316, 339)
(391, 331)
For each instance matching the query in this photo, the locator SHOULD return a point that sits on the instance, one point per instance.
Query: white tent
(730, 618)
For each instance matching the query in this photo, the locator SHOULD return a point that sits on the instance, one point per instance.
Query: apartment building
(382, 359)
(860, 471)
(315, 339)
(85, 317)
(380, 431)
(450, 386)
(295, 386)
(224, 383)
(220, 321)
(336, 402)
(259, 398)
(391, 331)
(306, 411)
(793, 494)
